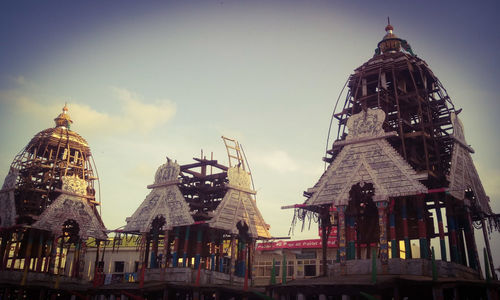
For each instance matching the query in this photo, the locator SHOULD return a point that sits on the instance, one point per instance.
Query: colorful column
(392, 229)
(243, 258)
(422, 229)
(351, 247)
(166, 249)
(452, 232)
(212, 252)
(342, 235)
(199, 238)
(382, 223)
(404, 217)
(442, 244)
(221, 254)
(186, 245)
(175, 255)
(147, 237)
(154, 248)
(233, 254)
(96, 266)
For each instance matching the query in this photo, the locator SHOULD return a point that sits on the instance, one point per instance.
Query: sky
(148, 79)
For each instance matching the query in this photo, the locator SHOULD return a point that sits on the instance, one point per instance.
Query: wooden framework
(209, 224)
(399, 147)
(39, 168)
(48, 205)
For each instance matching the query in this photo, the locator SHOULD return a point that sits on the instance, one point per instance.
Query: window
(310, 270)
(119, 266)
(136, 266)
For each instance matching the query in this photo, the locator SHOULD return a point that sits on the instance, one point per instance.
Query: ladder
(234, 153)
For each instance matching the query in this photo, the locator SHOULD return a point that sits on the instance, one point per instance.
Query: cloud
(132, 112)
(278, 160)
(141, 115)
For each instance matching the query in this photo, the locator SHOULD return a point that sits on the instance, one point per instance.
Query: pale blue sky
(153, 78)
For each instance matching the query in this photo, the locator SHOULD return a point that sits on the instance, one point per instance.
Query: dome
(414, 101)
(390, 42)
(40, 166)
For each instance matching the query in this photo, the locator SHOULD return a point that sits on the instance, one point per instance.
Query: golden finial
(63, 119)
(390, 42)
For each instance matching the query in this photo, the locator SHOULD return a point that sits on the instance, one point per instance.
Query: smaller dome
(63, 119)
(390, 42)
(61, 132)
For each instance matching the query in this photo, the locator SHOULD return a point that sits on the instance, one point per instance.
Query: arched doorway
(363, 230)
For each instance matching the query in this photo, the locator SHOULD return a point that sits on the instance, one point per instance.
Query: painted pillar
(324, 221)
(406, 238)
(175, 255)
(382, 223)
(96, 265)
(422, 229)
(351, 248)
(146, 254)
(166, 249)
(442, 244)
(452, 232)
(221, 254)
(143, 257)
(154, 248)
(392, 229)
(240, 268)
(212, 252)
(245, 266)
(342, 236)
(199, 238)
(232, 246)
(186, 245)
(251, 259)
(471, 242)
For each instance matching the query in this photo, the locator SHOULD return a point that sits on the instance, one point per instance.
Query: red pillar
(342, 235)
(382, 222)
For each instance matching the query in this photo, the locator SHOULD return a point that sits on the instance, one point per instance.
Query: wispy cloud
(132, 113)
(278, 160)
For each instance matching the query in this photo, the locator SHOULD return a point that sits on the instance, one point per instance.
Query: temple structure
(198, 227)
(48, 204)
(400, 171)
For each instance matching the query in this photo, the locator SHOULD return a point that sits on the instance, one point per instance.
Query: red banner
(302, 244)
